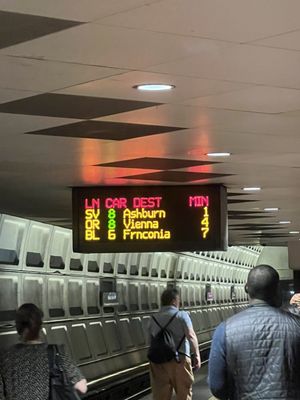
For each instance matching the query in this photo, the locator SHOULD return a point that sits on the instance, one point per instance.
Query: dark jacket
(263, 354)
(24, 372)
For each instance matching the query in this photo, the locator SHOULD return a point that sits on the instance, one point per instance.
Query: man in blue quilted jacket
(256, 353)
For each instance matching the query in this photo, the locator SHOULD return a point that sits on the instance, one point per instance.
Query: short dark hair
(168, 296)
(262, 282)
(29, 319)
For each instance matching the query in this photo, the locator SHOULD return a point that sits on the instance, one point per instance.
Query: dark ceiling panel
(230, 216)
(236, 214)
(246, 212)
(71, 106)
(267, 235)
(104, 130)
(257, 226)
(17, 28)
(156, 163)
(235, 201)
(175, 176)
(231, 194)
(254, 228)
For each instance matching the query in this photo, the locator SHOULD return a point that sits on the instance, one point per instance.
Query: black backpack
(162, 347)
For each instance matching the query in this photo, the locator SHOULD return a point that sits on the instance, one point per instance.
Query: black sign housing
(110, 219)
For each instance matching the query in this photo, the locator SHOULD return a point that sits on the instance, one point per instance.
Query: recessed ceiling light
(252, 189)
(294, 232)
(154, 87)
(224, 154)
(271, 209)
(284, 222)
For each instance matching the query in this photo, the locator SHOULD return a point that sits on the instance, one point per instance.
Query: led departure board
(149, 218)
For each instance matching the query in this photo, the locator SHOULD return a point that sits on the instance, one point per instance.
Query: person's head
(170, 297)
(295, 300)
(29, 321)
(294, 304)
(263, 284)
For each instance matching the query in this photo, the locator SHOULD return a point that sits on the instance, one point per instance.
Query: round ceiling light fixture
(154, 87)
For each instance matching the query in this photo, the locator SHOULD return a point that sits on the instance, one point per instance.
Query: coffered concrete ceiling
(70, 115)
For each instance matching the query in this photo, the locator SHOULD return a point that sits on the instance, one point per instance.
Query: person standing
(24, 368)
(255, 354)
(177, 373)
(294, 305)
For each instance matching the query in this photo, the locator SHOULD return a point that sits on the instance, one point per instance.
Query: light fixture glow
(271, 209)
(294, 232)
(224, 154)
(252, 189)
(154, 87)
(284, 222)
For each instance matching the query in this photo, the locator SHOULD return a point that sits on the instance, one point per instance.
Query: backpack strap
(167, 324)
(52, 350)
(51, 356)
(180, 343)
